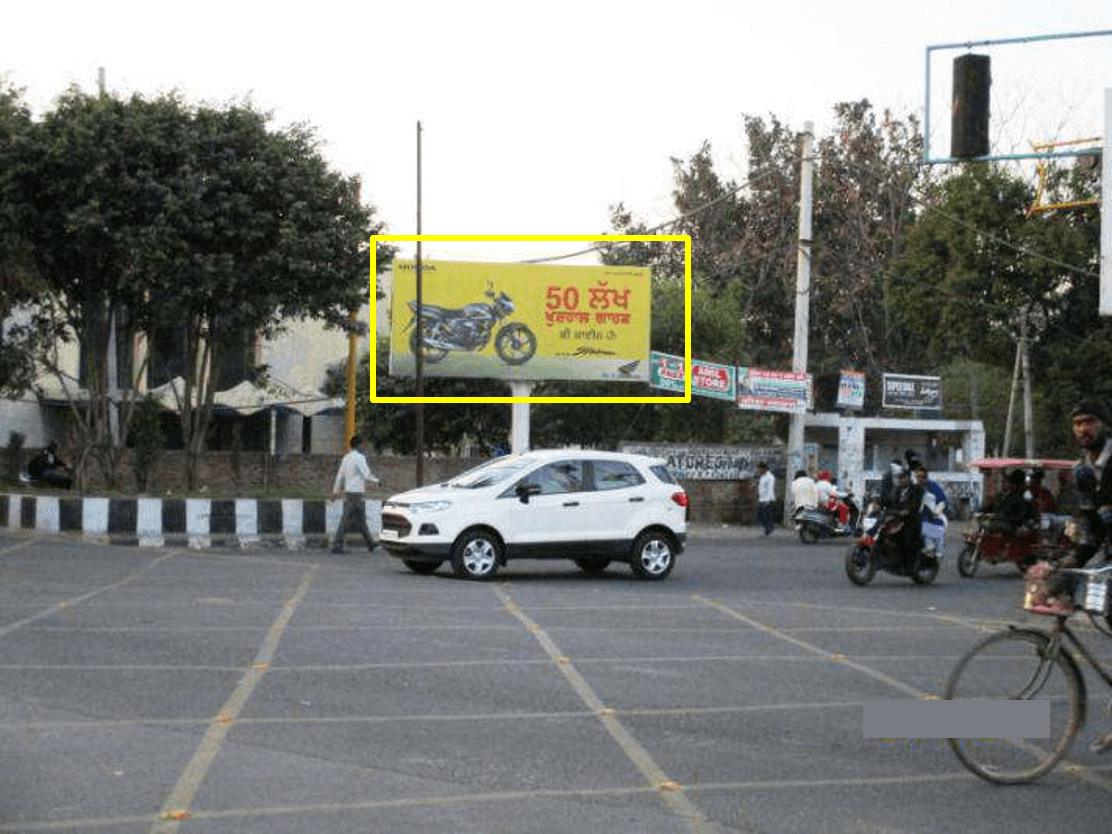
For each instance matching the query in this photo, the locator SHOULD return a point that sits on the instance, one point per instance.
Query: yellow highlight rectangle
(685, 239)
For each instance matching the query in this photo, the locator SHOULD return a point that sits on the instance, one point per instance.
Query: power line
(661, 226)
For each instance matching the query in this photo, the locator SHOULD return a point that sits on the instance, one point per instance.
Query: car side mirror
(526, 490)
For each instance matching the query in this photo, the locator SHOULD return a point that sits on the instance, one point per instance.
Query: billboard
(708, 379)
(764, 390)
(851, 390)
(666, 371)
(522, 321)
(907, 391)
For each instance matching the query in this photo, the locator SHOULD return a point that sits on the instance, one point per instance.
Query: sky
(537, 118)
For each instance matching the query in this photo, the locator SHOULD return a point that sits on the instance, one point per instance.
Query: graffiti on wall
(710, 463)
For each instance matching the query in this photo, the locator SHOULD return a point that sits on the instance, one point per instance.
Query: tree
(745, 237)
(199, 222)
(868, 186)
(24, 335)
(979, 272)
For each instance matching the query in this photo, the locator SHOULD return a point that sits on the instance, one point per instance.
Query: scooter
(814, 523)
(879, 547)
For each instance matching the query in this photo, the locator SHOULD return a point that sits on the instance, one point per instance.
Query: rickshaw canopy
(992, 464)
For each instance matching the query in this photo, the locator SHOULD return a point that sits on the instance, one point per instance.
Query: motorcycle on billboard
(469, 329)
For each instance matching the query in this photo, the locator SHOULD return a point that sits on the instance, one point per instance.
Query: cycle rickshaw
(992, 544)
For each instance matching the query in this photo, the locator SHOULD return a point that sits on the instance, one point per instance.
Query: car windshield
(489, 473)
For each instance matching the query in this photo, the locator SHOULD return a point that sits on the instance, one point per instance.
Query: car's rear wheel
(653, 556)
(593, 565)
(475, 554)
(421, 566)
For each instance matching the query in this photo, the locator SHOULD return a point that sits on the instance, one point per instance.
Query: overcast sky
(538, 117)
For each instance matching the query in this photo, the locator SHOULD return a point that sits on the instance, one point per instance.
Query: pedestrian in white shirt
(766, 497)
(351, 480)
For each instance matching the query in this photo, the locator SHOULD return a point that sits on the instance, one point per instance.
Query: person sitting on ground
(49, 469)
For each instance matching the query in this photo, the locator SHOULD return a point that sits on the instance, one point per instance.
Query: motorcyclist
(803, 491)
(906, 501)
(889, 481)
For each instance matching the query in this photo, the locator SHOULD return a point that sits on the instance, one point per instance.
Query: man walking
(766, 497)
(351, 480)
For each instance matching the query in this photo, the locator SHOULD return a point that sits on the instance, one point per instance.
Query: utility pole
(112, 370)
(1028, 412)
(802, 302)
(419, 354)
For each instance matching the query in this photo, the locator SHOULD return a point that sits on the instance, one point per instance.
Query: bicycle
(1029, 663)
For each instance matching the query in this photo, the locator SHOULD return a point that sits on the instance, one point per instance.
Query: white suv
(593, 507)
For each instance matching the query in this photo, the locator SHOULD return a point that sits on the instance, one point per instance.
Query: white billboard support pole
(519, 416)
(1106, 210)
(802, 304)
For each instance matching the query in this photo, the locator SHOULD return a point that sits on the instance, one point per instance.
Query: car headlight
(429, 506)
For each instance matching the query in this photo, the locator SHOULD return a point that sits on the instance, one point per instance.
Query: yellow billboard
(521, 321)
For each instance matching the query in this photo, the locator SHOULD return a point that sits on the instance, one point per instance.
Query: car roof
(597, 454)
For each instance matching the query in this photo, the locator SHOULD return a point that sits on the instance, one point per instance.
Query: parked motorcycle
(817, 523)
(469, 328)
(880, 547)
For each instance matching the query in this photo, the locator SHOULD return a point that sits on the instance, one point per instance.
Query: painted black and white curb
(184, 522)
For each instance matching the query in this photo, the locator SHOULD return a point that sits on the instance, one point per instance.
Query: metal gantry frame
(1035, 154)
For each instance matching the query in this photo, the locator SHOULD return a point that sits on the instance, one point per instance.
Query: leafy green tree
(868, 183)
(25, 334)
(201, 222)
(979, 273)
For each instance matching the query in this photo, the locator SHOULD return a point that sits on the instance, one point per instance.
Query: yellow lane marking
(190, 780)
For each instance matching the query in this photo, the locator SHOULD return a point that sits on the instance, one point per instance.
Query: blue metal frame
(928, 160)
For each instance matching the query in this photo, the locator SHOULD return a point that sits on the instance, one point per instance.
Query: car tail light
(680, 498)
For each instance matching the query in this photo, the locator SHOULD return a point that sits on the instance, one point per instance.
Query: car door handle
(637, 498)
(571, 503)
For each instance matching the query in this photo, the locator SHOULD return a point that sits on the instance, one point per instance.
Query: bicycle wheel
(1013, 665)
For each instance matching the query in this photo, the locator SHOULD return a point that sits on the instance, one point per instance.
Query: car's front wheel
(475, 554)
(653, 556)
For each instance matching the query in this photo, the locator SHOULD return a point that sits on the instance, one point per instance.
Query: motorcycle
(469, 328)
(879, 547)
(814, 523)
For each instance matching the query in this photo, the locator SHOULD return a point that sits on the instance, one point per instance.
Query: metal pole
(1028, 417)
(1106, 210)
(419, 473)
(1011, 400)
(349, 411)
(802, 302)
(519, 414)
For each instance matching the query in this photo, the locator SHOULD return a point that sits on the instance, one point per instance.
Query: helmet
(824, 475)
(896, 469)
